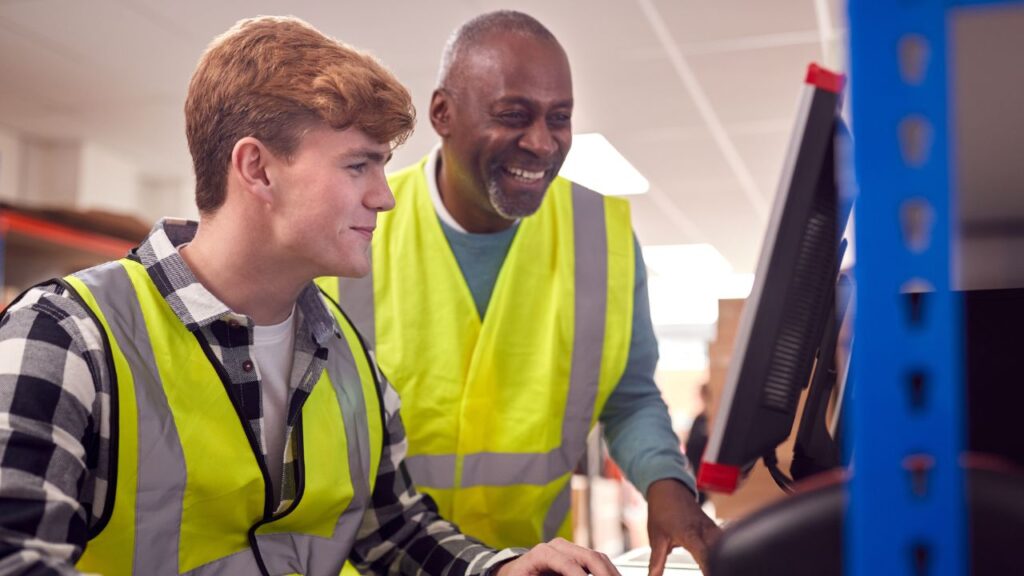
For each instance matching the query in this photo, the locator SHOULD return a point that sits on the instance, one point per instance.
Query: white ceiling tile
(703, 21)
(656, 225)
(632, 97)
(763, 153)
(755, 85)
(729, 223)
(124, 53)
(664, 158)
(51, 78)
(594, 29)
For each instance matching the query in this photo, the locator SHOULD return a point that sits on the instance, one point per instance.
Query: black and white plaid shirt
(55, 426)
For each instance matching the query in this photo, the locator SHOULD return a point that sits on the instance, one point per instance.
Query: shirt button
(247, 366)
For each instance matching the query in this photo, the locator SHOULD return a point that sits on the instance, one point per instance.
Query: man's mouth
(524, 175)
(365, 231)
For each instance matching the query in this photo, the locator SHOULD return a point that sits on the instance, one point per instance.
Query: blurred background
(690, 102)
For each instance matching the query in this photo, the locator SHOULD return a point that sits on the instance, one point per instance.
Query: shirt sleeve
(636, 422)
(48, 433)
(402, 532)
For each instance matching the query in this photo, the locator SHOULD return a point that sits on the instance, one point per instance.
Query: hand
(675, 519)
(559, 556)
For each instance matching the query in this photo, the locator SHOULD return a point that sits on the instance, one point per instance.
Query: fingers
(660, 548)
(544, 558)
(699, 549)
(561, 557)
(592, 561)
(710, 533)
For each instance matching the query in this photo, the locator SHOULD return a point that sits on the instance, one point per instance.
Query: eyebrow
(370, 154)
(522, 100)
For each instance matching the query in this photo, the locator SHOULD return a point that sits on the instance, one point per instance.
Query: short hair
(473, 32)
(274, 78)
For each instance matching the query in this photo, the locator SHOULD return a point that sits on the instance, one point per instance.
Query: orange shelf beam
(63, 235)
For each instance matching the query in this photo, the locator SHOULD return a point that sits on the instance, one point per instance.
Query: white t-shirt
(273, 350)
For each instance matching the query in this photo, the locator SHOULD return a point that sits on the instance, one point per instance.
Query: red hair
(274, 77)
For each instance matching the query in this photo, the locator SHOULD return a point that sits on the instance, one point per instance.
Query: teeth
(525, 174)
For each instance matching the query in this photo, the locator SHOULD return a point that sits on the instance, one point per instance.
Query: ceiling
(700, 96)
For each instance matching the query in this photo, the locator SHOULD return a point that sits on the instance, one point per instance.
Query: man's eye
(560, 119)
(514, 116)
(358, 168)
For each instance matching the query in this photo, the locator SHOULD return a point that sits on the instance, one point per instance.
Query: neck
(469, 206)
(232, 263)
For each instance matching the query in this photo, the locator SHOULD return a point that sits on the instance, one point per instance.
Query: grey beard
(505, 206)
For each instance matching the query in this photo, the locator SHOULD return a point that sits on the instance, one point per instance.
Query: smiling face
(505, 119)
(326, 200)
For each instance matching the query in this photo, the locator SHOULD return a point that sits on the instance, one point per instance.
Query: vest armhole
(108, 357)
(374, 368)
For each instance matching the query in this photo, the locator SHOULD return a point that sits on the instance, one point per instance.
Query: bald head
(475, 34)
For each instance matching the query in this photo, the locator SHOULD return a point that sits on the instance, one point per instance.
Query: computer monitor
(792, 298)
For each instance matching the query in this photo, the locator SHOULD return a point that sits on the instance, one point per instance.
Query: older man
(510, 307)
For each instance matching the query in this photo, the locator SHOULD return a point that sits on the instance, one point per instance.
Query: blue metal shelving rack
(907, 512)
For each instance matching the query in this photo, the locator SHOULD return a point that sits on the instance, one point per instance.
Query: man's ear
(249, 160)
(440, 112)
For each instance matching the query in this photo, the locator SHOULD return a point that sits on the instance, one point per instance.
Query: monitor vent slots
(792, 356)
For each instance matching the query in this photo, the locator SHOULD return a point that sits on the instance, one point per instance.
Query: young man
(198, 406)
(510, 309)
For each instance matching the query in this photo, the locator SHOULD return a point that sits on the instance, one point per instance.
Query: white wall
(160, 197)
(82, 175)
(10, 165)
(49, 173)
(106, 180)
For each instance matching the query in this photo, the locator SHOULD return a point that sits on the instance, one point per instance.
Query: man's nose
(539, 140)
(380, 198)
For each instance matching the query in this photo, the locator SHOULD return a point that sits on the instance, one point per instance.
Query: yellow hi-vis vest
(497, 410)
(190, 494)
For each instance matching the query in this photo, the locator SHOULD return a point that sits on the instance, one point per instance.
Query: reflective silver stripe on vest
(503, 469)
(239, 563)
(161, 461)
(557, 513)
(432, 471)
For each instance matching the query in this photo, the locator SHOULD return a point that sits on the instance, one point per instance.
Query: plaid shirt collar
(196, 306)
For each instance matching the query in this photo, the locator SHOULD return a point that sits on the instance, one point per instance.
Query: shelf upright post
(907, 508)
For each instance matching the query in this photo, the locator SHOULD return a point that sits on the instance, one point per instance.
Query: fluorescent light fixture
(593, 162)
(685, 282)
(677, 354)
(686, 261)
(735, 286)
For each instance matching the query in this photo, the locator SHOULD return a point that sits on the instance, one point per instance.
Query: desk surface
(635, 563)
